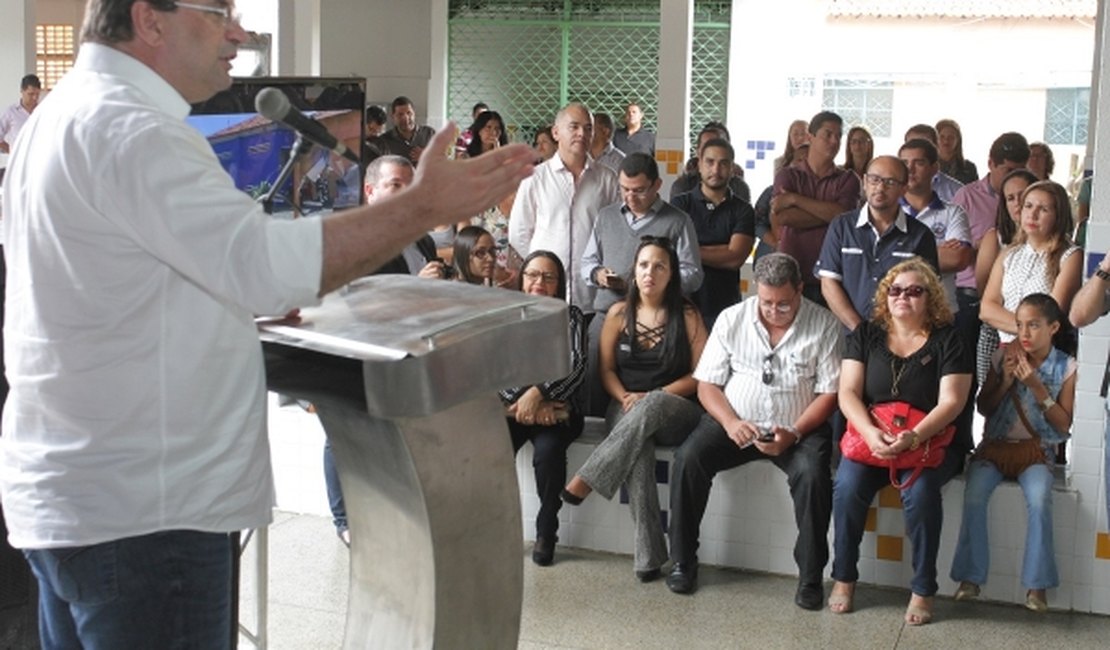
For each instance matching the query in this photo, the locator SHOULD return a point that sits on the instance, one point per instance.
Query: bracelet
(915, 439)
(1102, 275)
(794, 432)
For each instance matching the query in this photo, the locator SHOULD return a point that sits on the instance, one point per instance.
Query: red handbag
(893, 418)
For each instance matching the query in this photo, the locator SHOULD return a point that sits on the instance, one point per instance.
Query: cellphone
(766, 435)
(448, 270)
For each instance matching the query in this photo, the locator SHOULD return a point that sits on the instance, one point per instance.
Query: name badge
(851, 251)
(903, 254)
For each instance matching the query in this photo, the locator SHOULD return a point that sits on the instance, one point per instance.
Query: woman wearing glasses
(474, 258)
(489, 134)
(547, 414)
(650, 345)
(909, 352)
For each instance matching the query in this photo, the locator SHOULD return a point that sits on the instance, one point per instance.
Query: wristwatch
(915, 439)
(1102, 275)
(1048, 402)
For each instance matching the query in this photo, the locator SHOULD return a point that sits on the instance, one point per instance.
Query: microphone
(273, 104)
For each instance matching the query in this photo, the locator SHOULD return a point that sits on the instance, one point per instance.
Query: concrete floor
(592, 600)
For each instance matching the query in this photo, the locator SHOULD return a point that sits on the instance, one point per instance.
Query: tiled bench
(749, 524)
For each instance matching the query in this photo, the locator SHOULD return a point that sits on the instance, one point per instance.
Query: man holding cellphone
(767, 379)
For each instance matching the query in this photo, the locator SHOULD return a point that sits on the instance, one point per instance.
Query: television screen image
(253, 149)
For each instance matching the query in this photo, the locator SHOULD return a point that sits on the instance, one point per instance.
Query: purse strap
(1021, 413)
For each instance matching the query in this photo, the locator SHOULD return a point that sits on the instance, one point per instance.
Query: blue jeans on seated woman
(972, 561)
(169, 589)
(854, 489)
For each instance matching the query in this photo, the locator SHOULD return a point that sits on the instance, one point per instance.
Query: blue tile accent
(1093, 260)
(749, 164)
(761, 155)
(751, 144)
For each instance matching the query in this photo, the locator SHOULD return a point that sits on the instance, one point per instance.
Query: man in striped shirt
(767, 379)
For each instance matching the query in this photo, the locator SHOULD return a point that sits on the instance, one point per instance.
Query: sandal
(967, 591)
(842, 602)
(918, 615)
(1035, 601)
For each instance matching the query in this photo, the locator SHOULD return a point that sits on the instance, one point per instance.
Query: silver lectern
(404, 372)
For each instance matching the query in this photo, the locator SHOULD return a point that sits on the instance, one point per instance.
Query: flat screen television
(253, 149)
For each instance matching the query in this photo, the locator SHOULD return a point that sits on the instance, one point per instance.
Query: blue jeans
(853, 491)
(169, 589)
(335, 490)
(972, 561)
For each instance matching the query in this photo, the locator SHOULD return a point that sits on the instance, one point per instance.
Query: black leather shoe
(683, 578)
(810, 597)
(543, 551)
(649, 575)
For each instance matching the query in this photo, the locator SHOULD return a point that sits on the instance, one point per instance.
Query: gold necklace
(896, 375)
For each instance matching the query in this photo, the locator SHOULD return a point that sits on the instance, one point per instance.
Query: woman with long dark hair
(489, 134)
(650, 345)
(474, 256)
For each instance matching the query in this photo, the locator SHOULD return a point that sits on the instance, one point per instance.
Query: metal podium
(404, 372)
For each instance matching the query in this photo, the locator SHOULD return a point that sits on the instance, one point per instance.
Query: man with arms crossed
(135, 432)
(768, 381)
(810, 194)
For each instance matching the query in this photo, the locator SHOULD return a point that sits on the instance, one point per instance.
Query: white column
(437, 85)
(676, 33)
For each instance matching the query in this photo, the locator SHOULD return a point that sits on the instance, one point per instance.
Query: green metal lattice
(527, 58)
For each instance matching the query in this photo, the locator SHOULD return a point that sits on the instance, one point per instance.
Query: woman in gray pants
(650, 345)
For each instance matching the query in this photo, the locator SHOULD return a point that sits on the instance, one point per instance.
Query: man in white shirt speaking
(134, 435)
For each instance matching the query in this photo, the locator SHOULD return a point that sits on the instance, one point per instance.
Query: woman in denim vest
(1029, 393)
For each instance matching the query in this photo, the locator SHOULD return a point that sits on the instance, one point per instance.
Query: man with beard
(861, 246)
(725, 224)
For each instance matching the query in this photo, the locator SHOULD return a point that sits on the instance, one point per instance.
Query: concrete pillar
(676, 33)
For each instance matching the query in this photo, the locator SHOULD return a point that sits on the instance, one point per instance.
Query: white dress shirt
(134, 267)
(552, 212)
(11, 121)
(804, 364)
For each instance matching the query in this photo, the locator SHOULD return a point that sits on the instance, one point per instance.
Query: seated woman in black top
(650, 345)
(908, 352)
(547, 413)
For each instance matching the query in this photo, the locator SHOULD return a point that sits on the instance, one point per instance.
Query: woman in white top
(1042, 259)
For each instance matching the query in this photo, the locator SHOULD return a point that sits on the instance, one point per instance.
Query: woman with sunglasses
(908, 352)
(547, 414)
(474, 258)
(650, 345)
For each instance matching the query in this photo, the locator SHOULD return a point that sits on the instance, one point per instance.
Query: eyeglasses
(912, 291)
(483, 253)
(780, 307)
(536, 276)
(768, 369)
(227, 14)
(875, 179)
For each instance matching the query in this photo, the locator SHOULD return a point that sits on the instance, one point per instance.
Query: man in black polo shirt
(725, 224)
(861, 246)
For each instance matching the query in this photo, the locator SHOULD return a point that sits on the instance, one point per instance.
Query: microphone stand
(301, 146)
